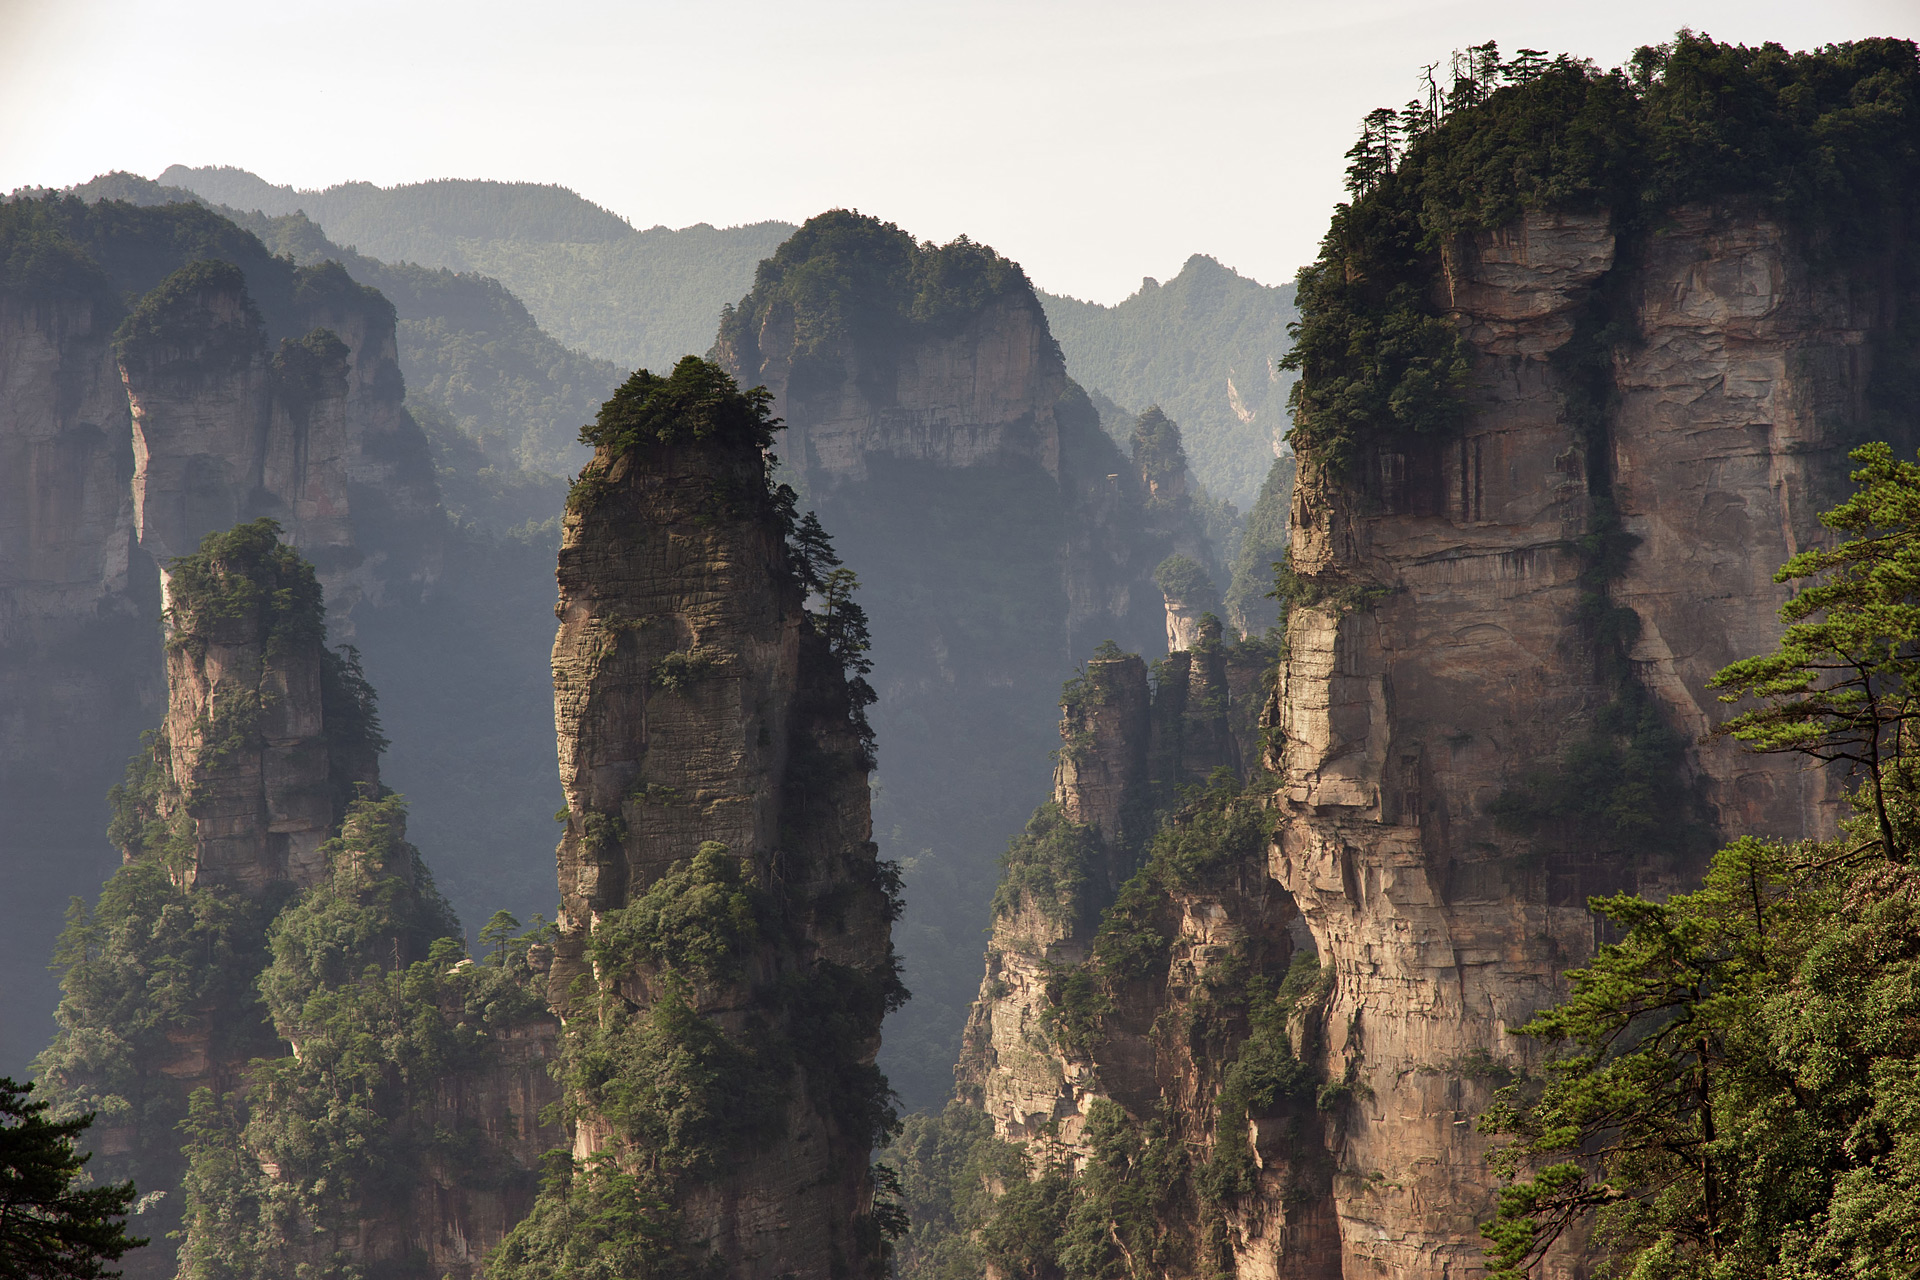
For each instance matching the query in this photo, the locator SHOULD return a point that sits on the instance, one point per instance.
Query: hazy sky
(1094, 142)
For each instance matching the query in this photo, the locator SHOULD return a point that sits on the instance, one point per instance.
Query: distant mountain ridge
(638, 298)
(1204, 346)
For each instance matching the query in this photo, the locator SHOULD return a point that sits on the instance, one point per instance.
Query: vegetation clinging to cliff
(1735, 1087)
(1823, 139)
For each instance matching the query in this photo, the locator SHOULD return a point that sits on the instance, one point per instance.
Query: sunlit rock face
(1401, 725)
(1470, 636)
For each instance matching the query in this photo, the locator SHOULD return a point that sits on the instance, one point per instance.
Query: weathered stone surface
(316, 437)
(1397, 726)
(80, 671)
(695, 702)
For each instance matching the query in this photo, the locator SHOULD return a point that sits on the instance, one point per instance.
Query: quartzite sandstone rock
(1400, 724)
(696, 702)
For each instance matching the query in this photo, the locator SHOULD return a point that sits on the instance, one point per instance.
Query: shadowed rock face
(1399, 726)
(115, 456)
(998, 533)
(698, 704)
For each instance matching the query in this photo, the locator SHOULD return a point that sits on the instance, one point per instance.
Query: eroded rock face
(314, 435)
(1400, 725)
(998, 533)
(1566, 572)
(700, 707)
(983, 396)
(80, 671)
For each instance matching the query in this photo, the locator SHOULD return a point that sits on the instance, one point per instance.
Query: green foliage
(1823, 139)
(1156, 452)
(363, 980)
(41, 258)
(310, 368)
(1842, 684)
(696, 402)
(1333, 588)
(849, 281)
(1264, 1078)
(595, 1221)
(700, 918)
(1204, 347)
(950, 1168)
(1180, 578)
(1264, 542)
(185, 312)
(53, 1226)
(679, 670)
(1735, 1095)
(1047, 866)
(139, 969)
(1221, 825)
(245, 574)
(1624, 781)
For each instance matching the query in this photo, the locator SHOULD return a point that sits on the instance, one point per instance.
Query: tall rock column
(1561, 576)
(724, 957)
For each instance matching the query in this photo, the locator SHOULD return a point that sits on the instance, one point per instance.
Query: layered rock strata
(1402, 727)
(711, 733)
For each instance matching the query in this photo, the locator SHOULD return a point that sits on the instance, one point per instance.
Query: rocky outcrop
(117, 454)
(268, 734)
(226, 429)
(712, 743)
(1491, 705)
(997, 532)
(1408, 729)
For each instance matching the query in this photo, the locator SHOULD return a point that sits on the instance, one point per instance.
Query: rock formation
(1402, 726)
(263, 857)
(127, 435)
(724, 958)
(998, 533)
(1507, 594)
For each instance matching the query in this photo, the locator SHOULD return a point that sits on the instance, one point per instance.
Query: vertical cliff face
(723, 910)
(1145, 1014)
(268, 734)
(80, 672)
(1411, 728)
(266, 737)
(999, 533)
(239, 386)
(226, 429)
(1527, 531)
(218, 995)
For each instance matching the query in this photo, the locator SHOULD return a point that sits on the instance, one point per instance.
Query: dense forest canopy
(1825, 140)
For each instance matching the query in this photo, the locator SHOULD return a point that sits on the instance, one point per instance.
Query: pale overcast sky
(1095, 142)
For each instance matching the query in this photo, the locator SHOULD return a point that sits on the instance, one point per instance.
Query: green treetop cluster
(1825, 140)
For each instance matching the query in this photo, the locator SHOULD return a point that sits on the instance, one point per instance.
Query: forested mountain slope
(1205, 346)
(639, 298)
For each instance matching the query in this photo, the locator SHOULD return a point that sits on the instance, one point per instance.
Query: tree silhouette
(50, 1226)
